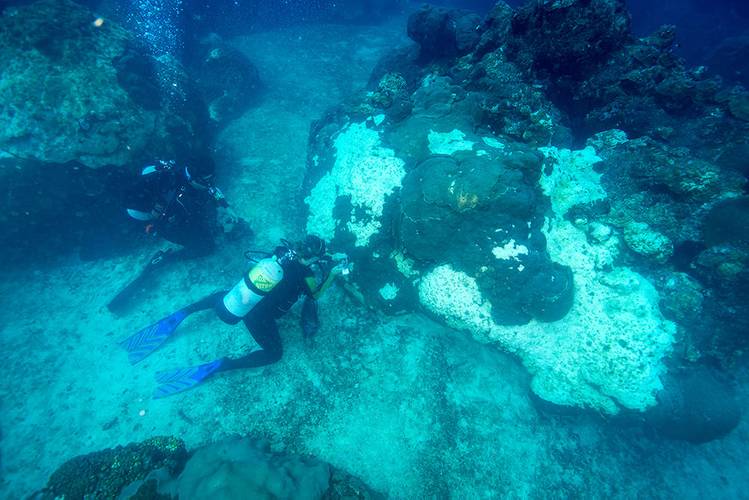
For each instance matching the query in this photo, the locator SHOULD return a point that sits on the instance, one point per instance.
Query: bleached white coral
(389, 291)
(572, 179)
(493, 142)
(456, 297)
(365, 171)
(608, 351)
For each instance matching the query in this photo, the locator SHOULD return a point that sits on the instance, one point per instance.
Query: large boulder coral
(478, 212)
(233, 468)
(468, 229)
(435, 194)
(240, 468)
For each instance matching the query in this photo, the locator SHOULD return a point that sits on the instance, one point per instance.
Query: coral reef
(567, 38)
(473, 203)
(365, 173)
(594, 356)
(239, 468)
(494, 205)
(233, 468)
(104, 474)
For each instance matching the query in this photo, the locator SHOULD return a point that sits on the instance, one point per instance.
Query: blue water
(546, 285)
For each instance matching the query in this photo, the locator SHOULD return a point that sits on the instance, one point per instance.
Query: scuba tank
(258, 282)
(255, 285)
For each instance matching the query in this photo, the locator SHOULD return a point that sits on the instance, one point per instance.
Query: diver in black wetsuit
(266, 292)
(182, 206)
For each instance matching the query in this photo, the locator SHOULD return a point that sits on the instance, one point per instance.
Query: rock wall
(76, 90)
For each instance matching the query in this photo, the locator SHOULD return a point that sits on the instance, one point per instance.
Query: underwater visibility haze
(374, 249)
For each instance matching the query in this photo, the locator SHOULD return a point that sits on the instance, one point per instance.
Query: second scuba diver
(265, 293)
(182, 204)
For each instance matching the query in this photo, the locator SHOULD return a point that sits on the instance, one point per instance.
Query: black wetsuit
(184, 214)
(261, 320)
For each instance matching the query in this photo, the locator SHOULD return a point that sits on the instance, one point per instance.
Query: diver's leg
(195, 236)
(265, 332)
(263, 329)
(124, 297)
(208, 302)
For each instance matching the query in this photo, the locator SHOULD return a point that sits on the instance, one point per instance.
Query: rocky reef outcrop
(105, 473)
(547, 190)
(591, 66)
(567, 38)
(697, 405)
(233, 468)
(443, 32)
(227, 81)
(84, 104)
(73, 89)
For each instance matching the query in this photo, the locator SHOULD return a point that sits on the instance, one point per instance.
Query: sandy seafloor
(411, 407)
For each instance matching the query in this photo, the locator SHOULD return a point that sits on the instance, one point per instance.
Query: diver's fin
(147, 340)
(120, 301)
(174, 381)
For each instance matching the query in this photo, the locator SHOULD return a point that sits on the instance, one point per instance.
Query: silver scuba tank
(251, 289)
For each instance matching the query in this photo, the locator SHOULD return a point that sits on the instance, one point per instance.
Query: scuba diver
(182, 206)
(266, 292)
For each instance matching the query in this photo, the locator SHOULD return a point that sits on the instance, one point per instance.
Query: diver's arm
(218, 197)
(317, 291)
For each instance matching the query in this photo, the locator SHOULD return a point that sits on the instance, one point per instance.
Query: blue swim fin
(174, 381)
(146, 341)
